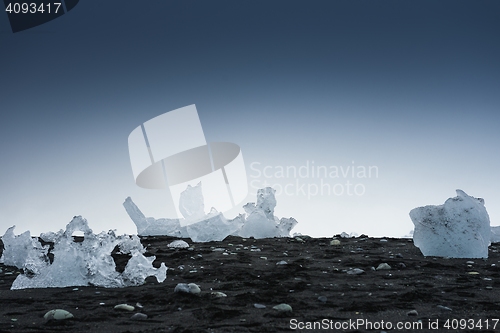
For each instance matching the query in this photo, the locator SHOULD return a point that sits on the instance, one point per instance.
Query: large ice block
(458, 229)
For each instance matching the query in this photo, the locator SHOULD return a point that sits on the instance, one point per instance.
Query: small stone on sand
(189, 288)
(283, 307)
(124, 307)
(355, 271)
(218, 294)
(139, 316)
(412, 313)
(57, 314)
(178, 244)
(383, 266)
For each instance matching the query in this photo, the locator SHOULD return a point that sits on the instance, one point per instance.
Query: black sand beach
(419, 294)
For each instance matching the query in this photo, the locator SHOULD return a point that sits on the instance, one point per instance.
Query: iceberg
(460, 228)
(84, 263)
(258, 221)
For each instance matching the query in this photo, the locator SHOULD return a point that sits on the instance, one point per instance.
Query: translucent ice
(22, 249)
(458, 229)
(191, 204)
(259, 220)
(88, 262)
(285, 226)
(140, 267)
(214, 228)
(149, 226)
(258, 225)
(266, 201)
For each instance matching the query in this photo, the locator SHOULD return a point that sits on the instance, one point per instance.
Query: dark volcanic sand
(315, 268)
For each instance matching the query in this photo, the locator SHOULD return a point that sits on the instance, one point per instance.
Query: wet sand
(419, 292)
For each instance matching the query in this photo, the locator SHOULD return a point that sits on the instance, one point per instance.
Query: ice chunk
(50, 236)
(214, 228)
(149, 226)
(266, 201)
(88, 262)
(140, 267)
(458, 229)
(136, 215)
(258, 225)
(128, 244)
(21, 249)
(285, 226)
(191, 204)
(259, 221)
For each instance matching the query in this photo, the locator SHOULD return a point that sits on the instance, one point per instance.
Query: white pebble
(355, 271)
(124, 307)
(191, 288)
(383, 266)
(283, 307)
(57, 314)
(178, 244)
(412, 313)
(219, 249)
(139, 316)
(444, 308)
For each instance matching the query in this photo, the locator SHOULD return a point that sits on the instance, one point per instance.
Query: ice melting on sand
(84, 263)
(458, 229)
(259, 220)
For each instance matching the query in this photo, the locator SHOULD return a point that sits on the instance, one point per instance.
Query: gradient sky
(411, 87)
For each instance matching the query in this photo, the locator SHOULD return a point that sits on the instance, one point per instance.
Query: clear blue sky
(409, 87)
